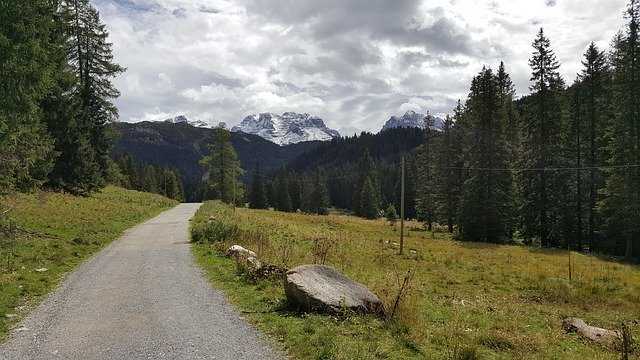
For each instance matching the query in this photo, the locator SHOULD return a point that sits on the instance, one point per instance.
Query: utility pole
(402, 208)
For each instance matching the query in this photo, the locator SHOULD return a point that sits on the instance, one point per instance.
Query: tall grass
(464, 300)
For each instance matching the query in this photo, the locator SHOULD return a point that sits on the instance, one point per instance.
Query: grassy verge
(50, 234)
(465, 301)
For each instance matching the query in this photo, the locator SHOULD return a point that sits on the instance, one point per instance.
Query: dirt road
(140, 298)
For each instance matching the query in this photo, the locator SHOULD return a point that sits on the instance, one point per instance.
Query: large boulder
(320, 288)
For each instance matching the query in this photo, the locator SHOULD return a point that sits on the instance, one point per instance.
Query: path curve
(142, 297)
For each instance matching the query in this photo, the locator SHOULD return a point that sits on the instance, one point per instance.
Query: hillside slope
(181, 146)
(49, 234)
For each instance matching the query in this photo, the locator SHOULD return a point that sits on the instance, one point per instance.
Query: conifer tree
(320, 201)
(366, 169)
(80, 123)
(542, 190)
(223, 167)
(447, 172)
(369, 205)
(425, 199)
(486, 205)
(621, 205)
(258, 193)
(595, 105)
(27, 72)
(283, 198)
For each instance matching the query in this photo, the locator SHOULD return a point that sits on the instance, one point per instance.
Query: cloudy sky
(352, 62)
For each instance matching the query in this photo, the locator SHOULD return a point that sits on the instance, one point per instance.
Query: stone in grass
(320, 288)
(237, 250)
(596, 334)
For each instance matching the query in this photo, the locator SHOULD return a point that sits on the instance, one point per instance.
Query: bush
(219, 227)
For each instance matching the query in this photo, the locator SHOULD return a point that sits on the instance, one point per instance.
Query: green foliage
(258, 194)
(621, 205)
(223, 168)
(391, 214)
(369, 206)
(26, 74)
(486, 206)
(365, 201)
(220, 225)
(543, 192)
(282, 193)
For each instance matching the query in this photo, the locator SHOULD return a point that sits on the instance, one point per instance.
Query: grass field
(46, 235)
(465, 300)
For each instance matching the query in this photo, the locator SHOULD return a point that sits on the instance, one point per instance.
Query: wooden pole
(402, 208)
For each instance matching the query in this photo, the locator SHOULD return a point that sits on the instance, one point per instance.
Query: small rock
(42, 270)
(10, 316)
(22, 328)
(321, 288)
(253, 263)
(237, 250)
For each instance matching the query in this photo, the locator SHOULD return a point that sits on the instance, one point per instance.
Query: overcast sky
(352, 62)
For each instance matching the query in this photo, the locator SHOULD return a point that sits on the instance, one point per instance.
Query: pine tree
(425, 199)
(369, 205)
(447, 172)
(27, 72)
(594, 92)
(366, 169)
(621, 205)
(283, 198)
(223, 167)
(541, 190)
(486, 205)
(83, 116)
(320, 201)
(258, 193)
(149, 180)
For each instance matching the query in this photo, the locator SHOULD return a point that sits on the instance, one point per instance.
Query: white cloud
(352, 62)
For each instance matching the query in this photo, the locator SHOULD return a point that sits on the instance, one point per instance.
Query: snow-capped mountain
(413, 119)
(181, 119)
(288, 128)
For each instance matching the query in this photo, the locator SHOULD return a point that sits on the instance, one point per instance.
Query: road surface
(142, 297)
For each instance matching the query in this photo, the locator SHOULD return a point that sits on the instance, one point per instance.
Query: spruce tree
(84, 116)
(320, 201)
(283, 197)
(541, 189)
(595, 105)
(621, 205)
(447, 172)
(258, 193)
(366, 169)
(369, 205)
(27, 73)
(425, 198)
(223, 168)
(486, 205)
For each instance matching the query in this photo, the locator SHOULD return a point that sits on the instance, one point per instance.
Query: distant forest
(557, 168)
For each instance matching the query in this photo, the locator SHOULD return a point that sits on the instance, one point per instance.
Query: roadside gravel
(142, 297)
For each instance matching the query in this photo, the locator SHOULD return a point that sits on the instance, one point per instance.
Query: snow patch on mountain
(412, 119)
(181, 119)
(288, 128)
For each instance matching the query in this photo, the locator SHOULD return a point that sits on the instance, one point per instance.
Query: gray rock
(237, 250)
(320, 288)
(596, 334)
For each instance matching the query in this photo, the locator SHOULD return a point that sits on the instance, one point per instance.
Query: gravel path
(142, 297)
